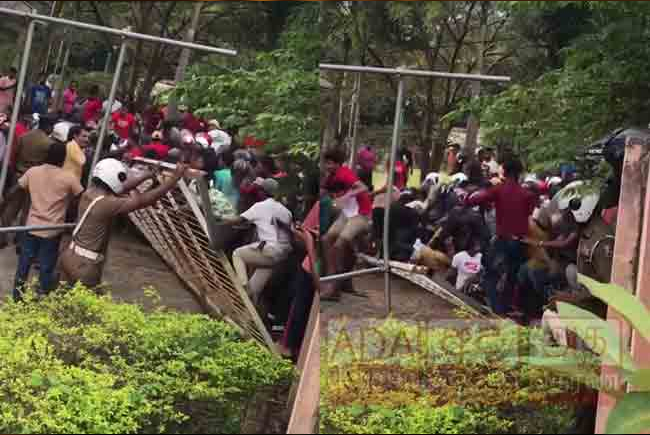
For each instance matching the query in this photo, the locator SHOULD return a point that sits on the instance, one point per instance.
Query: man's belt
(86, 253)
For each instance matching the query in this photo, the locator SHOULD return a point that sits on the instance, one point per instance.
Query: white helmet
(432, 179)
(203, 142)
(113, 173)
(61, 130)
(554, 181)
(581, 198)
(531, 178)
(459, 178)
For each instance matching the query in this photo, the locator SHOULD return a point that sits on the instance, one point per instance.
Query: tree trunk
(135, 67)
(438, 150)
(184, 59)
(471, 139)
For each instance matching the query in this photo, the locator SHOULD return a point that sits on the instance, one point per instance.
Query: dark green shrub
(397, 377)
(78, 363)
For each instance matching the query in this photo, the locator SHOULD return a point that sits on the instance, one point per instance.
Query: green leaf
(640, 379)
(592, 329)
(631, 415)
(623, 302)
(37, 380)
(570, 366)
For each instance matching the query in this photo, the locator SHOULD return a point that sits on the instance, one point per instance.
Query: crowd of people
(484, 225)
(50, 183)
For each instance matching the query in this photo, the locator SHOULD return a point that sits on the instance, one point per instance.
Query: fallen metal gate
(185, 235)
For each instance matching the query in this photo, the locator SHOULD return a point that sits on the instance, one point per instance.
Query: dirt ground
(409, 302)
(132, 265)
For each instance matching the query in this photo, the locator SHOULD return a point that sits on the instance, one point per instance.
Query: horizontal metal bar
(413, 72)
(191, 172)
(117, 32)
(36, 228)
(347, 275)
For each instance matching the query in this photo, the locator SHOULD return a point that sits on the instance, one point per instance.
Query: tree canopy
(577, 68)
(275, 97)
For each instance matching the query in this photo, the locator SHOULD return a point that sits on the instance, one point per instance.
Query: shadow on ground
(132, 266)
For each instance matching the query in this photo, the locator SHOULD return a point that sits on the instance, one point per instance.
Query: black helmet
(614, 144)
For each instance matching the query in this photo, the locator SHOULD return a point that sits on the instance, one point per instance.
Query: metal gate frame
(401, 73)
(182, 230)
(125, 35)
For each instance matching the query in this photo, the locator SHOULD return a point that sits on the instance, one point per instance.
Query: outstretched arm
(152, 196)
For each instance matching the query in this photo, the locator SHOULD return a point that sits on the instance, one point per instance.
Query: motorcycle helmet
(113, 173)
(459, 178)
(579, 197)
(431, 180)
(61, 130)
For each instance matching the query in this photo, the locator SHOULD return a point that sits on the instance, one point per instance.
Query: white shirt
(467, 267)
(494, 166)
(349, 207)
(264, 215)
(221, 140)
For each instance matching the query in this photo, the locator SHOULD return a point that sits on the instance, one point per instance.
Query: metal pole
(347, 275)
(117, 32)
(36, 228)
(107, 115)
(412, 72)
(17, 103)
(389, 192)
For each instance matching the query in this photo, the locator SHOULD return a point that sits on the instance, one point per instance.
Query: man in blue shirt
(40, 97)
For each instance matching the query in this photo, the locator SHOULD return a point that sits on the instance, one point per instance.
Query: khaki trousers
(261, 261)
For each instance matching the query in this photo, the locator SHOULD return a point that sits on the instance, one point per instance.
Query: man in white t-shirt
(468, 265)
(273, 223)
(221, 140)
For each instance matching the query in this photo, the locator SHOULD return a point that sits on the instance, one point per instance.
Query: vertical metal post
(111, 100)
(389, 191)
(17, 103)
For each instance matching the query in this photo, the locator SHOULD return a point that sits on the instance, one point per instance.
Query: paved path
(132, 265)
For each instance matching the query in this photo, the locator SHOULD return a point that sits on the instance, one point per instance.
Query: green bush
(396, 377)
(78, 363)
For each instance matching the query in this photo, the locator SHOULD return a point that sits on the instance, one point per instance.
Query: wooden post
(626, 254)
(640, 346)
(304, 416)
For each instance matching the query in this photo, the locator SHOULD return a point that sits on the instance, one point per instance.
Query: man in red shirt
(514, 205)
(351, 196)
(366, 161)
(193, 123)
(156, 150)
(21, 129)
(93, 106)
(123, 122)
(153, 118)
